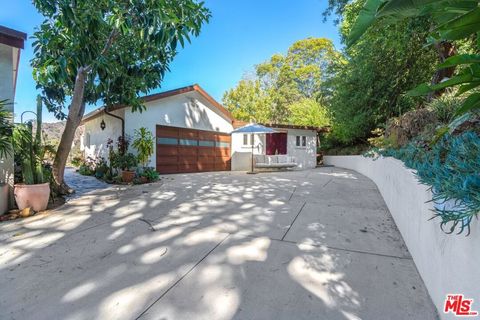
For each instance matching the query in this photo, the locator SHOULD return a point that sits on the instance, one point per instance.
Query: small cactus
(30, 148)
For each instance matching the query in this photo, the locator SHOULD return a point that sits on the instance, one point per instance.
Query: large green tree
(248, 101)
(368, 89)
(293, 80)
(455, 29)
(106, 51)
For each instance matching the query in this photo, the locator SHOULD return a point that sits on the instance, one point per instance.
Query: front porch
(286, 148)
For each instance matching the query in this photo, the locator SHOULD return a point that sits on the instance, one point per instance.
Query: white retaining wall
(448, 264)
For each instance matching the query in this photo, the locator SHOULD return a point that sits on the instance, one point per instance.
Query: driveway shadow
(209, 246)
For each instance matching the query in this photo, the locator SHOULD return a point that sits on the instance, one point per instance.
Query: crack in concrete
(152, 228)
(327, 183)
(182, 277)
(293, 192)
(343, 249)
(291, 224)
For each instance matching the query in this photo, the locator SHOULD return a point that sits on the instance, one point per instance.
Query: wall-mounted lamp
(102, 125)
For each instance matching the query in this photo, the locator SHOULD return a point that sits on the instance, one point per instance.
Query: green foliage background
(368, 88)
(287, 88)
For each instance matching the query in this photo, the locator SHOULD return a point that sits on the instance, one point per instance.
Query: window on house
(301, 141)
(246, 139)
(188, 142)
(87, 140)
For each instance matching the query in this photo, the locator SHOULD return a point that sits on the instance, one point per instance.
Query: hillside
(52, 133)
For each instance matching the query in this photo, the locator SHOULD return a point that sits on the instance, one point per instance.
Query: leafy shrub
(101, 168)
(87, 167)
(451, 167)
(124, 161)
(150, 174)
(143, 142)
(401, 130)
(5, 131)
(84, 170)
(77, 161)
(445, 107)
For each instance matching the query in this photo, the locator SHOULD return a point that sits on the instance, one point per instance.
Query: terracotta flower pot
(127, 176)
(3, 198)
(32, 195)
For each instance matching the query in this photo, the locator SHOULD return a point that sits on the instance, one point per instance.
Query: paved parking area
(315, 244)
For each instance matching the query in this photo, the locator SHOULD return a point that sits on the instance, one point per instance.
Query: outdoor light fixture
(102, 125)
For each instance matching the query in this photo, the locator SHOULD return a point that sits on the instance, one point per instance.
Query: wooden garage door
(188, 150)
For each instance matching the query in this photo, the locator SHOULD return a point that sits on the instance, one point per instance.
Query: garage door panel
(203, 135)
(164, 131)
(167, 160)
(188, 150)
(206, 159)
(203, 151)
(222, 163)
(188, 134)
(187, 160)
(221, 167)
(206, 167)
(167, 168)
(222, 152)
(187, 167)
(163, 150)
(222, 159)
(223, 138)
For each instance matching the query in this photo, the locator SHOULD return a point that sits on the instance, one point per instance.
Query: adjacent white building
(11, 44)
(194, 133)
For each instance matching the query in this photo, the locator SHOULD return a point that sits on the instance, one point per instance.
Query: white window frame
(87, 140)
(301, 142)
(250, 139)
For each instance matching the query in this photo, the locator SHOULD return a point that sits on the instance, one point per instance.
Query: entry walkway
(82, 184)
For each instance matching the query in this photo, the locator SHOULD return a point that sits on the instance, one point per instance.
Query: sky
(240, 34)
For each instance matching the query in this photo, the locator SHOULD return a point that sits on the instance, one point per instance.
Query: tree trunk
(75, 114)
(445, 50)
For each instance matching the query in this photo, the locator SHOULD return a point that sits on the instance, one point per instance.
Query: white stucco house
(11, 44)
(194, 133)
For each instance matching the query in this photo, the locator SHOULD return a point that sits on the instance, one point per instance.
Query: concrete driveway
(317, 244)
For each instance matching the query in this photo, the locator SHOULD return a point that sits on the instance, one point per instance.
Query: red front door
(276, 143)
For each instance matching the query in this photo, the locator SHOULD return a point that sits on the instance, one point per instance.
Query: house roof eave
(163, 95)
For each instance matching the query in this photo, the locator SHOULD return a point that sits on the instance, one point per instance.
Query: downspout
(123, 128)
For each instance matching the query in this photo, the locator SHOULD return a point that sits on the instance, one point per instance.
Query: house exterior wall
(241, 154)
(306, 157)
(7, 57)
(94, 140)
(185, 111)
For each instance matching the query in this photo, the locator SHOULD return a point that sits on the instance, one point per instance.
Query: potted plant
(5, 151)
(126, 162)
(34, 191)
